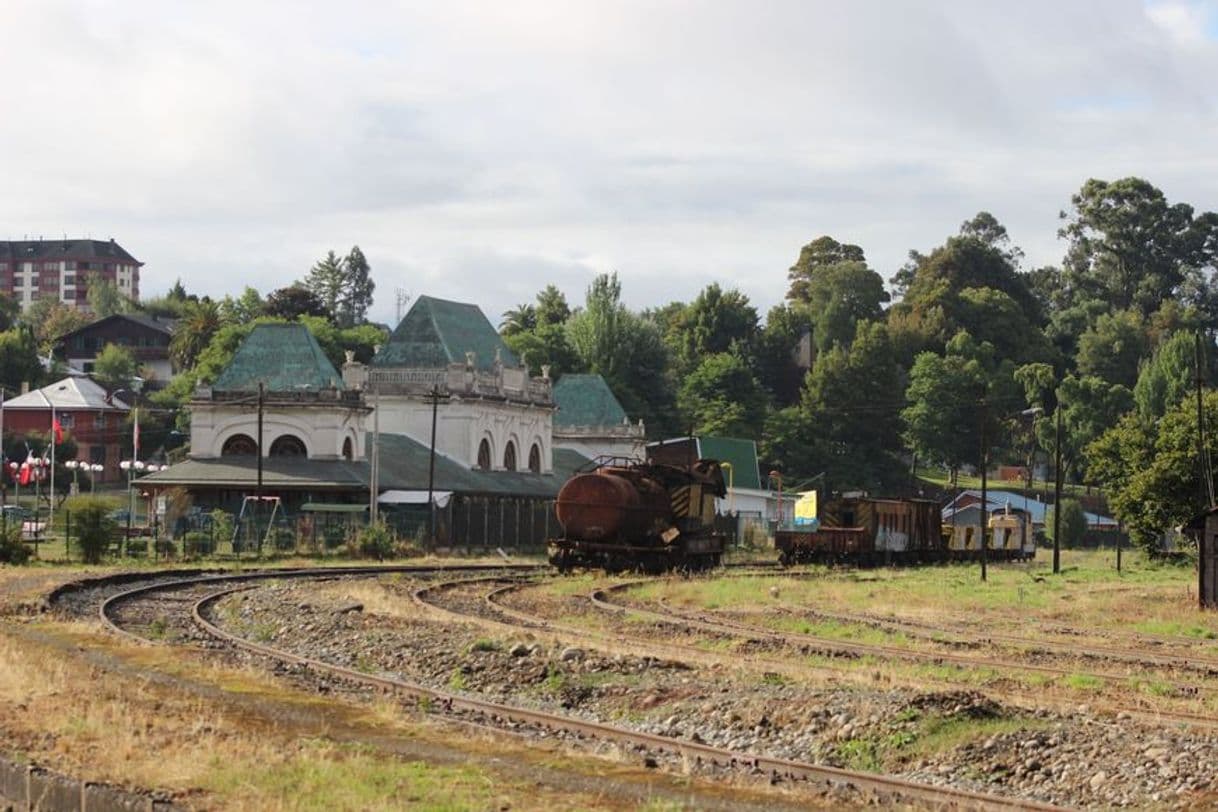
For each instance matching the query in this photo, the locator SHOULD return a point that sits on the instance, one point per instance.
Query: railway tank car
(647, 516)
(868, 531)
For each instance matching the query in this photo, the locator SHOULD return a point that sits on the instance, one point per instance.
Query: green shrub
(93, 526)
(1074, 523)
(376, 541)
(222, 525)
(12, 549)
(197, 542)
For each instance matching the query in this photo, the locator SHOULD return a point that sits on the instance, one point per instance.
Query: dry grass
(127, 729)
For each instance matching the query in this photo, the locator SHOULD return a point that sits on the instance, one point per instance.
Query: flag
(58, 429)
(26, 469)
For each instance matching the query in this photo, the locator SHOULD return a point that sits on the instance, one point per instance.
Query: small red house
(81, 407)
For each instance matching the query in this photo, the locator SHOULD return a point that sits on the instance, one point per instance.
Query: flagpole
(54, 423)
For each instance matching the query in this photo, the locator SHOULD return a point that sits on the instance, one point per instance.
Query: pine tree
(356, 291)
(326, 282)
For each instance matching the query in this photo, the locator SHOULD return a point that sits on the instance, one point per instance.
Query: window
(288, 445)
(99, 422)
(484, 455)
(239, 445)
(66, 419)
(348, 453)
(535, 459)
(509, 457)
(97, 454)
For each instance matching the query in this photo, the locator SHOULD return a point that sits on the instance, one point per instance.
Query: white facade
(497, 420)
(510, 430)
(598, 442)
(331, 430)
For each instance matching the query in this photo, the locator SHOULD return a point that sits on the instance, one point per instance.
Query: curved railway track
(599, 599)
(215, 588)
(494, 609)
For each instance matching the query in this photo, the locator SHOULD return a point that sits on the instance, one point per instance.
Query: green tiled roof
(742, 454)
(586, 400)
(285, 357)
(437, 332)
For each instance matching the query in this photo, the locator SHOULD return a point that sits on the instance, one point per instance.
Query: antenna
(401, 298)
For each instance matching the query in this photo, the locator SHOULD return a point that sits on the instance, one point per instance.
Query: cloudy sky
(478, 151)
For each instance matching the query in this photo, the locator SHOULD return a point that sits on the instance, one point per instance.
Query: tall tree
(50, 318)
(326, 281)
(104, 297)
(716, 321)
(520, 319)
(115, 367)
(193, 332)
(10, 312)
(19, 360)
(1129, 247)
(293, 302)
(357, 289)
(628, 351)
(722, 398)
(1168, 376)
(839, 295)
(815, 255)
(552, 306)
(246, 307)
(1113, 348)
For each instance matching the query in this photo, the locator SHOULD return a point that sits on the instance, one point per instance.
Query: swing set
(248, 531)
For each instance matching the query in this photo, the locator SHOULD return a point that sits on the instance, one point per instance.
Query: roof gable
(586, 400)
(284, 357)
(437, 332)
(69, 393)
(164, 327)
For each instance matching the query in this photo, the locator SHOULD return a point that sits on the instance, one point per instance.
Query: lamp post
(130, 466)
(94, 471)
(74, 466)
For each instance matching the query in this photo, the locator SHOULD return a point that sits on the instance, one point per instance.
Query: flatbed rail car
(868, 531)
(645, 516)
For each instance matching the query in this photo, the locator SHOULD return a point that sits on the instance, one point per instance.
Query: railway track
(202, 593)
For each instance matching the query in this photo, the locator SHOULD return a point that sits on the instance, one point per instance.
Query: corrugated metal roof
(285, 357)
(586, 400)
(67, 394)
(437, 332)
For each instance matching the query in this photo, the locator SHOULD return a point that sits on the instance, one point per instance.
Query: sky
(479, 151)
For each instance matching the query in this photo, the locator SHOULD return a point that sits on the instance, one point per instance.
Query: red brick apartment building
(33, 269)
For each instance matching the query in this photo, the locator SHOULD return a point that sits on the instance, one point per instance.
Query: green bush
(197, 542)
(222, 525)
(1074, 523)
(92, 525)
(12, 549)
(376, 541)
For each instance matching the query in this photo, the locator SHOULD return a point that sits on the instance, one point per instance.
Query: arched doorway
(239, 445)
(509, 457)
(348, 452)
(288, 445)
(535, 459)
(484, 455)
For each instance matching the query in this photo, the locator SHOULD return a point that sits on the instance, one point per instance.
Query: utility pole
(431, 470)
(985, 464)
(374, 457)
(258, 486)
(1207, 493)
(1057, 492)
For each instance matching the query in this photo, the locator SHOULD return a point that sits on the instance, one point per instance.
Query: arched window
(535, 459)
(348, 453)
(288, 445)
(509, 457)
(484, 455)
(239, 445)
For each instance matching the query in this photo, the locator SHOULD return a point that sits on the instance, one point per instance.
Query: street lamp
(74, 466)
(94, 471)
(130, 466)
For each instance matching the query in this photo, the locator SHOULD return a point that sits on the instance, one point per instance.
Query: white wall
(322, 428)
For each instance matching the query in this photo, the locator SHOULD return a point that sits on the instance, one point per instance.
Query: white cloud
(480, 151)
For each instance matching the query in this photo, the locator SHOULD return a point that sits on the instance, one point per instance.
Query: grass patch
(324, 776)
(1083, 682)
(456, 680)
(484, 644)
